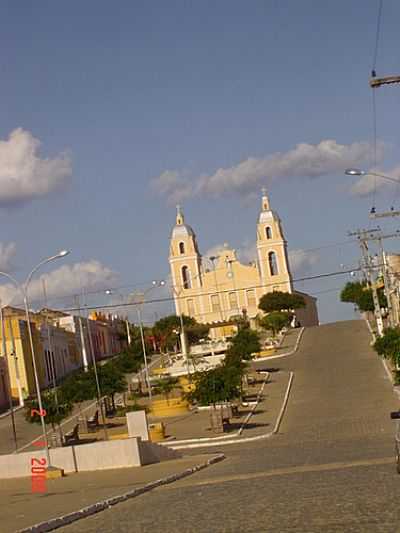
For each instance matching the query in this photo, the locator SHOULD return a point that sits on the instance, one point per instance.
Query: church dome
(182, 230)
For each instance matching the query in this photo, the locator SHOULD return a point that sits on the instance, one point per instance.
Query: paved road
(330, 469)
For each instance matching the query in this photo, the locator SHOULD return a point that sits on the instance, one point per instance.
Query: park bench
(72, 436)
(93, 421)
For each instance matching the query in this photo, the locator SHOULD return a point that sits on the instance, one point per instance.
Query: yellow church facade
(226, 288)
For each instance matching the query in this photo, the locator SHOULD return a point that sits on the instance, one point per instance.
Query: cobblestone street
(330, 468)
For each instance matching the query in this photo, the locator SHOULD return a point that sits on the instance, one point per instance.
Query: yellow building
(231, 288)
(19, 357)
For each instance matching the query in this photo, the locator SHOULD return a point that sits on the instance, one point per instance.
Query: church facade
(223, 288)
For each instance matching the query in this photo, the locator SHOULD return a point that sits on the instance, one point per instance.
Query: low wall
(88, 457)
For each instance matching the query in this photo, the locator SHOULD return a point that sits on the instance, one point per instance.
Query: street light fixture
(154, 283)
(359, 172)
(23, 289)
(110, 292)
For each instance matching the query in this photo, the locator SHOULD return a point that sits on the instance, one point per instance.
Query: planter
(157, 432)
(171, 407)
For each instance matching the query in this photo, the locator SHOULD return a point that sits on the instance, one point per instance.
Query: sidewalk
(21, 508)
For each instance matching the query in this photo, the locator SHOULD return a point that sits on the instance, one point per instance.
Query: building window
(273, 266)
(233, 303)
(268, 232)
(251, 298)
(215, 307)
(186, 278)
(190, 307)
(181, 248)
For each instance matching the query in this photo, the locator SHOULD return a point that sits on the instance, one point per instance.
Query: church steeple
(180, 220)
(272, 248)
(265, 200)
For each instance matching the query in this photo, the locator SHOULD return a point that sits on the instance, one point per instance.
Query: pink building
(4, 401)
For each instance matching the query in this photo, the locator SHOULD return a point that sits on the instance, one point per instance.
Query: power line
(377, 35)
(172, 298)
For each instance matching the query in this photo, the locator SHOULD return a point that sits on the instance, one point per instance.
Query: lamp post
(359, 172)
(214, 258)
(109, 292)
(23, 288)
(184, 346)
(140, 300)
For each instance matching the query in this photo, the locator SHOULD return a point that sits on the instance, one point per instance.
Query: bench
(93, 421)
(72, 436)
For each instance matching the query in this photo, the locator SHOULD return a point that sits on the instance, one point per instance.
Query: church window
(233, 304)
(186, 278)
(273, 265)
(215, 307)
(190, 307)
(268, 232)
(251, 298)
(181, 248)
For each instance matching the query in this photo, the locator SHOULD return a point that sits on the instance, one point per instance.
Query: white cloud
(301, 262)
(7, 254)
(24, 175)
(367, 184)
(305, 160)
(64, 281)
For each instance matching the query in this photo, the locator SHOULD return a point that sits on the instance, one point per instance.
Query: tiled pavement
(330, 469)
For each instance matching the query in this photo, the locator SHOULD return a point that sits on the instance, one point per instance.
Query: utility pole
(362, 236)
(374, 235)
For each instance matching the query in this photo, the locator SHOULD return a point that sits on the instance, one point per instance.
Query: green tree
(219, 384)
(388, 346)
(56, 411)
(360, 295)
(167, 330)
(79, 387)
(281, 301)
(111, 380)
(275, 321)
(244, 344)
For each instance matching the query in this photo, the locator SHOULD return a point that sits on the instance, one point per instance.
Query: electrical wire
(174, 298)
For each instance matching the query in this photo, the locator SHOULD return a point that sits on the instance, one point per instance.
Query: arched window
(186, 278)
(268, 232)
(273, 265)
(181, 248)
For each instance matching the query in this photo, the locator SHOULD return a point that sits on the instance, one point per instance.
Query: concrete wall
(89, 457)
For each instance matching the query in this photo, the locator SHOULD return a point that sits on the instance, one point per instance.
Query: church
(226, 288)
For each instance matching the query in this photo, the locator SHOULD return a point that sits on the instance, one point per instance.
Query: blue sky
(120, 93)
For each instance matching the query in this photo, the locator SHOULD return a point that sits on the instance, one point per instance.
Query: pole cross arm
(386, 80)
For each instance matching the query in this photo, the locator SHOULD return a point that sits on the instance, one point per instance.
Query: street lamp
(23, 289)
(140, 296)
(109, 292)
(359, 172)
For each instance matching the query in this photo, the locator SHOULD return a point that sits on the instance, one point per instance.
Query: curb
(69, 518)
(247, 439)
(283, 354)
(8, 413)
(385, 365)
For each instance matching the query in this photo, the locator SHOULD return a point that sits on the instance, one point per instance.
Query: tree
(196, 332)
(275, 321)
(360, 295)
(111, 380)
(219, 384)
(79, 387)
(388, 346)
(56, 410)
(167, 330)
(281, 301)
(244, 344)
